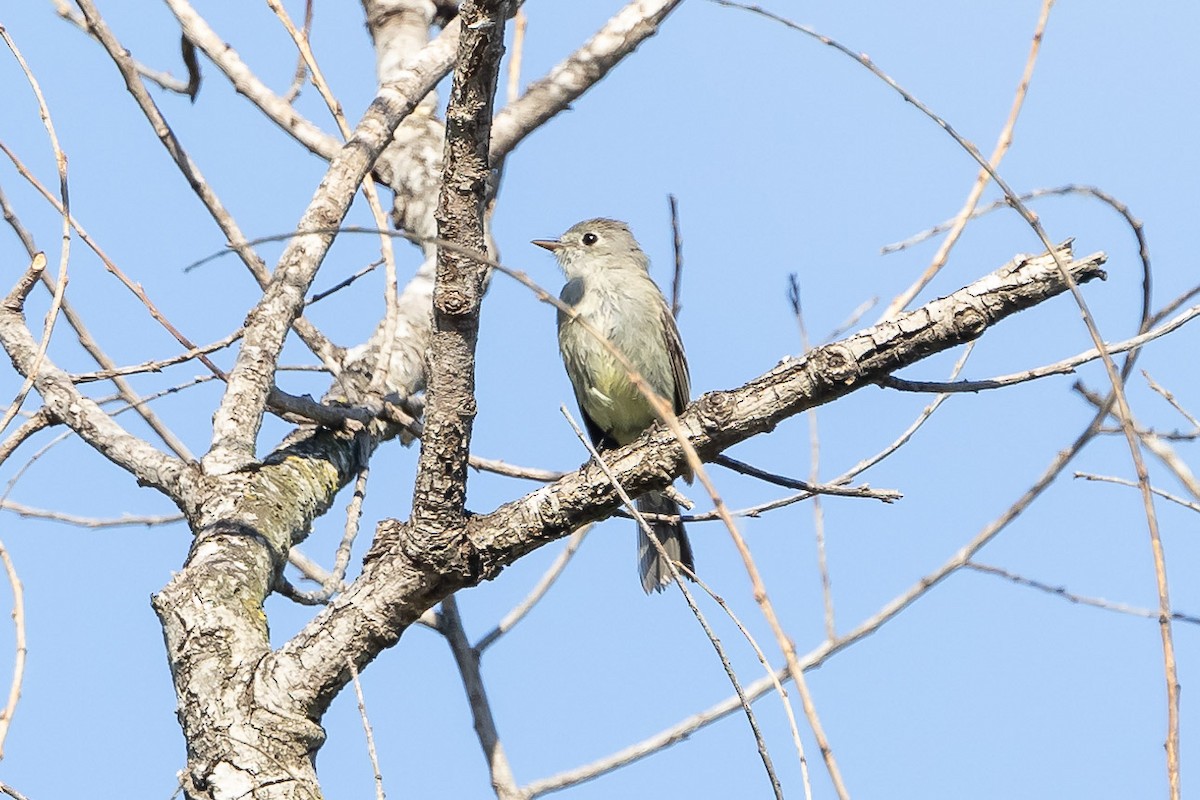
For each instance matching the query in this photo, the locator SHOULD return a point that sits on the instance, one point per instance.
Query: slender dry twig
(513, 471)
(1063, 367)
(852, 320)
(687, 595)
(98, 355)
(467, 659)
(1088, 476)
(1061, 591)
(301, 66)
(391, 284)
(780, 690)
(521, 609)
(515, 52)
(1170, 398)
(666, 414)
(60, 160)
(1155, 444)
(883, 495)
(79, 521)
(1172, 307)
(366, 723)
(164, 80)
(278, 109)
(981, 180)
(814, 445)
(109, 265)
(1133, 222)
(677, 249)
(156, 366)
(342, 284)
(20, 651)
(912, 429)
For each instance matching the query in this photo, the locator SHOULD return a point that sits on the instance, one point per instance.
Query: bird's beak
(550, 244)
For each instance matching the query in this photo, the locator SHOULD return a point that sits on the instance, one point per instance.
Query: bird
(609, 287)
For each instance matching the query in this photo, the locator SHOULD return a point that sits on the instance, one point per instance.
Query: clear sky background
(786, 157)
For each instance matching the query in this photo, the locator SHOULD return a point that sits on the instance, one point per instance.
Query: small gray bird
(609, 286)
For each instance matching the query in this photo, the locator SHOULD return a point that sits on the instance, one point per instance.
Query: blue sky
(786, 157)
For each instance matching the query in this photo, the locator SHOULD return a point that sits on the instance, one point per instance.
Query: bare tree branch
(440, 490)
(467, 659)
(404, 574)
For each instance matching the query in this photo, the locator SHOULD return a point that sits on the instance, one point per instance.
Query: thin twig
(1064, 367)
(20, 651)
(516, 51)
(89, 344)
(981, 180)
(687, 595)
(1088, 476)
(366, 723)
(677, 247)
(521, 609)
(1170, 398)
(79, 521)
(60, 160)
(513, 471)
(301, 67)
(780, 690)
(157, 366)
(135, 288)
(467, 659)
(391, 284)
(814, 444)
(883, 495)
(163, 80)
(1061, 591)
(342, 284)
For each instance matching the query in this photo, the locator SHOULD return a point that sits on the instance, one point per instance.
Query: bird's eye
(590, 238)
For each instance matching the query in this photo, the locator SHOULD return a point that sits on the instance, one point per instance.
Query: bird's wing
(678, 359)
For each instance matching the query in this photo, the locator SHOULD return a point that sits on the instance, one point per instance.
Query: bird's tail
(655, 572)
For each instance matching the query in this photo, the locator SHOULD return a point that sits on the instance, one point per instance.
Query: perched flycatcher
(609, 287)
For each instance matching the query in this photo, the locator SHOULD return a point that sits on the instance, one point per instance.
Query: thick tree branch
(244, 737)
(406, 574)
(440, 491)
